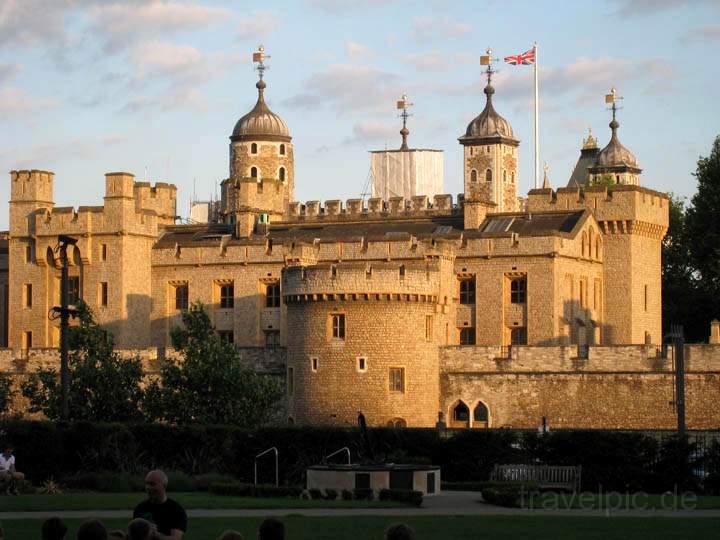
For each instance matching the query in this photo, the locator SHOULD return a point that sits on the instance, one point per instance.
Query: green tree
(605, 179)
(209, 385)
(104, 387)
(6, 393)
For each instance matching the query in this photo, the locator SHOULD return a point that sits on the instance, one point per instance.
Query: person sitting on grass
(139, 529)
(231, 535)
(53, 529)
(8, 474)
(271, 529)
(399, 531)
(168, 518)
(92, 530)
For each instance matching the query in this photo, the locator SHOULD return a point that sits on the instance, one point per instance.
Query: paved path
(457, 503)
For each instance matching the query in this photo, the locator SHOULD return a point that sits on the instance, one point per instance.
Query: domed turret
(261, 122)
(615, 154)
(488, 124)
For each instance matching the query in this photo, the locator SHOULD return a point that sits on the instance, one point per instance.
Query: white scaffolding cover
(405, 173)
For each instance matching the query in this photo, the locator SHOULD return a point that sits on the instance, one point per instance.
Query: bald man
(167, 516)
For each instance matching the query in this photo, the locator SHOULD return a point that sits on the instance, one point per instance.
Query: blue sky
(88, 87)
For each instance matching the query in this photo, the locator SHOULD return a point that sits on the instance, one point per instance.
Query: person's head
(8, 450)
(271, 529)
(92, 530)
(139, 529)
(399, 531)
(231, 535)
(156, 486)
(53, 529)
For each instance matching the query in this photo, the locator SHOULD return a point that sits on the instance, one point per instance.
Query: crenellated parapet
(376, 208)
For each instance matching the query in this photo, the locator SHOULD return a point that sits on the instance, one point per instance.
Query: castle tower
(588, 155)
(262, 173)
(490, 154)
(615, 164)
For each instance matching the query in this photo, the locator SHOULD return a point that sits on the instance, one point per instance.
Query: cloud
(162, 60)
(27, 22)
(651, 7)
(8, 72)
(46, 156)
(435, 60)
(349, 87)
(356, 50)
(120, 21)
(430, 28)
(258, 24)
(711, 32)
(372, 131)
(341, 6)
(178, 99)
(14, 103)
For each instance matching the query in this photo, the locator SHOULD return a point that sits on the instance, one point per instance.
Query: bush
(315, 494)
(330, 494)
(413, 498)
(712, 464)
(364, 494)
(479, 486)
(105, 482)
(346, 495)
(509, 496)
(249, 490)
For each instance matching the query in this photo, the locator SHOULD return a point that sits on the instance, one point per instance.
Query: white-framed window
(314, 364)
(361, 364)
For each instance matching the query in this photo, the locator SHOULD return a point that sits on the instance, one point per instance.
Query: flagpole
(537, 130)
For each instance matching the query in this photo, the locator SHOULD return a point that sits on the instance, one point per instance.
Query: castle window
(362, 364)
(103, 252)
(227, 296)
(467, 336)
(28, 295)
(512, 177)
(337, 325)
(282, 149)
(467, 291)
(253, 172)
(480, 413)
(181, 296)
(397, 379)
(518, 290)
(402, 271)
(281, 174)
(27, 340)
(397, 423)
(461, 413)
(253, 148)
(28, 253)
(428, 327)
(488, 175)
(473, 175)
(617, 178)
(74, 294)
(584, 243)
(597, 247)
(291, 381)
(518, 335)
(227, 337)
(272, 339)
(314, 363)
(504, 176)
(646, 297)
(272, 295)
(103, 294)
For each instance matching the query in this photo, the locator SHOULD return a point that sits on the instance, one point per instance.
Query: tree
(104, 387)
(6, 393)
(209, 385)
(606, 179)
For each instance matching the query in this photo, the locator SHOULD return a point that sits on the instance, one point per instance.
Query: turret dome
(261, 122)
(489, 124)
(615, 154)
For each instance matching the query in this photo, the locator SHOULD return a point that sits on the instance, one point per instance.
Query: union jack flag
(526, 58)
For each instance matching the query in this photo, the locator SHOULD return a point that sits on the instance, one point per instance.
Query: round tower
(364, 338)
(262, 172)
(490, 155)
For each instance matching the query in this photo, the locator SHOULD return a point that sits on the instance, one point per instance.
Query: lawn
(436, 528)
(127, 501)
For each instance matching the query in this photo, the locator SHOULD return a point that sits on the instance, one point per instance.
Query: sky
(155, 87)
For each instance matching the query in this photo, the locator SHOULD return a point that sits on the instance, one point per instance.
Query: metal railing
(336, 452)
(277, 476)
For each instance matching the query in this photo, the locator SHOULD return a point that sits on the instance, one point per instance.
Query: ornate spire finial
(404, 104)
(590, 142)
(613, 98)
(546, 180)
(259, 58)
(487, 60)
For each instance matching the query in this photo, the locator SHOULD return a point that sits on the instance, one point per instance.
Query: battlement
(613, 203)
(393, 208)
(31, 186)
(417, 280)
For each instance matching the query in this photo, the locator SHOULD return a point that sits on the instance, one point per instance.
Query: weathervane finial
(404, 104)
(613, 98)
(259, 58)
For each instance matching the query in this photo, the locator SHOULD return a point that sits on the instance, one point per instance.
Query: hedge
(614, 460)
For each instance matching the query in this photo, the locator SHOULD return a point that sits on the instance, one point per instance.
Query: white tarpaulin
(398, 173)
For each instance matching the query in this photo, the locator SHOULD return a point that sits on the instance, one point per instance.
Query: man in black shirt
(168, 517)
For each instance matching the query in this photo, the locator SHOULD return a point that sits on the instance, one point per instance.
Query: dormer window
(253, 148)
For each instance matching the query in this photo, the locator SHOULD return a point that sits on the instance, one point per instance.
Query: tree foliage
(6, 393)
(209, 385)
(104, 387)
(606, 179)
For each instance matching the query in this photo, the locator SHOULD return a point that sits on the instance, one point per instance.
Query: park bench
(546, 476)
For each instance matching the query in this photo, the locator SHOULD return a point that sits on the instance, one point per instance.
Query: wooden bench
(546, 476)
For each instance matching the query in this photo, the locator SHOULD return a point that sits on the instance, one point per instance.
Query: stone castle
(491, 309)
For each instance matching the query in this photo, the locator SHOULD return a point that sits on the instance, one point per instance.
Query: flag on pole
(525, 59)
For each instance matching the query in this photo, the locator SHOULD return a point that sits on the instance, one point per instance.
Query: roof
(489, 124)
(261, 122)
(579, 176)
(543, 224)
(615, 155)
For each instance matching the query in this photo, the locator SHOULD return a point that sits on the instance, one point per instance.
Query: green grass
(436, 528)
(622, 501)
(127, 501)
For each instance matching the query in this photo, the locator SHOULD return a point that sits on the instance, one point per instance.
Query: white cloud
(349, 87)
(373, 131)
(342, 6)
(163, 59)
(355, 50)
(258, 24)
(651, 7)
(428, 28)
(27, 22)
(435, 60)
(14, 103)
(8, 72)
(708, 33)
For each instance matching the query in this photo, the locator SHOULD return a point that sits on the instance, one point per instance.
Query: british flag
(526, 58)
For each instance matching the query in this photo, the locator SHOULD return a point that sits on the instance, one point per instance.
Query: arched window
(397, 423)
(504, 176)
(282, 149)
(253, 148)
(584, 242)
(461, 413)
(597, 247)
(473, 175)
(480, 414)
(591, 237)
(617, 178)
(253, 172)
(512, 177)
(281, 174)
(488, 175)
